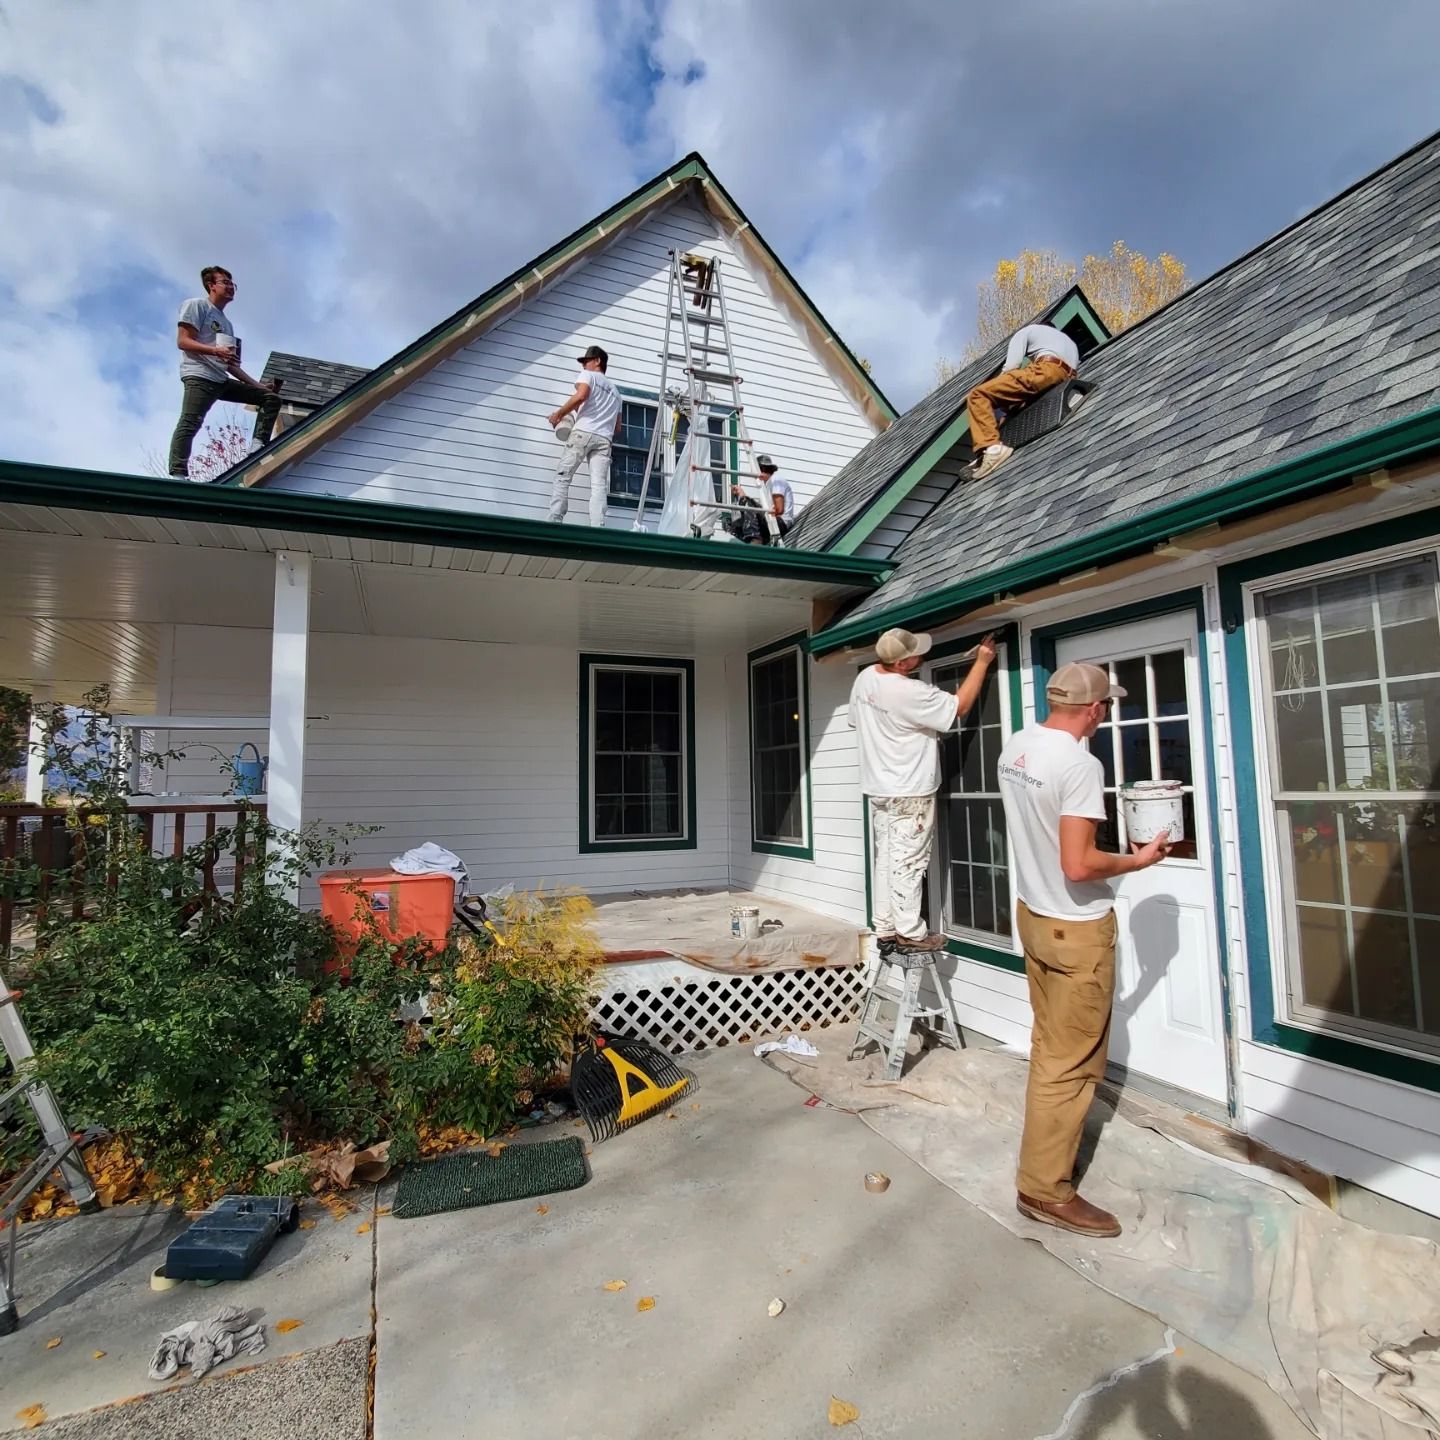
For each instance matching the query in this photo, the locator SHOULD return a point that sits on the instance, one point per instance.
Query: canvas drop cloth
(1341, 1321)
(695, 925)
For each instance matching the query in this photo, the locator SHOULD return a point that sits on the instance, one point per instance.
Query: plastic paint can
(745, 922)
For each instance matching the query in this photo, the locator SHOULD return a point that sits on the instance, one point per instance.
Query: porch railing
(69, 859)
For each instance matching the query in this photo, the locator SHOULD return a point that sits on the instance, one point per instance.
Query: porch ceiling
(79, 606)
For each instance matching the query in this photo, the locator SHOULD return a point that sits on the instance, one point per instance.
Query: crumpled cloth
(792, 1045)
(433, 859)
(203, 1344)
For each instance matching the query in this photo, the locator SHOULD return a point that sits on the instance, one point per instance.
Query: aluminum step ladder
(59, 1153)
(722, 453)
(892, 1033)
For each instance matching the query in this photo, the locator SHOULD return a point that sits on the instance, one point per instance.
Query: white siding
(834, 881)
(472, 435)
(896, 527)
(472, 746)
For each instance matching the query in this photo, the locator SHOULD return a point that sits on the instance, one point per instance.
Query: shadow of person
(1172, 1401)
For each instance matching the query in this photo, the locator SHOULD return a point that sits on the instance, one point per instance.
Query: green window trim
(588, 845)
(1267, 1027)
(805, 851)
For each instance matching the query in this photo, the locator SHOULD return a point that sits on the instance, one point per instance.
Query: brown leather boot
(1076, 1215)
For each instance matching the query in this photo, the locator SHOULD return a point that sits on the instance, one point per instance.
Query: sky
(367, 170)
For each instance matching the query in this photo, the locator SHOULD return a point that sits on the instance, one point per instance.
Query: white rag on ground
(433, 859)
(203, 1344)
(1341, 1321)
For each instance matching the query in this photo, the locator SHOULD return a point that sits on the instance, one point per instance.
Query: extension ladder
(721, 452)
(59, 1150)
(893, 1035)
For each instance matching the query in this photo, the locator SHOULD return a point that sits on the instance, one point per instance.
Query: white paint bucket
(1152, 806)
(564, 428)
(745, 922)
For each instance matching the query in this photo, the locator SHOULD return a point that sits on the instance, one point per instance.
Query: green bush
(208, 1036)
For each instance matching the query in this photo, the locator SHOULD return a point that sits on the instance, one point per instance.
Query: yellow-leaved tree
(1123, 285)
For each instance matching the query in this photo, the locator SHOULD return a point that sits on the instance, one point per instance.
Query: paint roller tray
(230, 1239)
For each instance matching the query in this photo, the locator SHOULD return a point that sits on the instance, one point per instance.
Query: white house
(1240, 519)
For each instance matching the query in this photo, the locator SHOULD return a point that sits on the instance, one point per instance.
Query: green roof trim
(472, 316)
(108, 493)
(1401, 440)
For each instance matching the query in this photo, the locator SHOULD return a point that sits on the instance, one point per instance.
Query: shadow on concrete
(1170, 1402)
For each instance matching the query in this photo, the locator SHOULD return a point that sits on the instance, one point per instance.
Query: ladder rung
(699, 294)
(705, 349)
(697, 316)
(727, 469)
(719, 377)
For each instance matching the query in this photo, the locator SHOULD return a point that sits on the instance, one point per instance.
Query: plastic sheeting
(1341, 1321)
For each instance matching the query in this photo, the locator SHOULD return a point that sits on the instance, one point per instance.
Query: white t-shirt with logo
(782, 489)
(207, 321)
(597, 415)
(899, 721)
(1044, 774)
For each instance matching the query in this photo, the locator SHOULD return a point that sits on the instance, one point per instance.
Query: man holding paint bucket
(210, 369)
(1053, 791)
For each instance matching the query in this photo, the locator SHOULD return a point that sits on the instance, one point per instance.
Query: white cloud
(367, 170)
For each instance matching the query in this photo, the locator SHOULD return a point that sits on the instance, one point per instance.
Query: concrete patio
(912, 1306)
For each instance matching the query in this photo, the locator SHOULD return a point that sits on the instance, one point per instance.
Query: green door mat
(519, 1171)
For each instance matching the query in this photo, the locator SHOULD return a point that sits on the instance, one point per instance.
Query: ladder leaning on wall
(718, 456)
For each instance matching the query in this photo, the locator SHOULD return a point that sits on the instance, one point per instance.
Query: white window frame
(1281, 917)
(986, 939)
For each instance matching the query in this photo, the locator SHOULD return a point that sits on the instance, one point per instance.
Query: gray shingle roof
(822, 522)
(1327, 330)
(308, 382)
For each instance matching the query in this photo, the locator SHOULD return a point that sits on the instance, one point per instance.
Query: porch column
(35, 762)
(289, 662)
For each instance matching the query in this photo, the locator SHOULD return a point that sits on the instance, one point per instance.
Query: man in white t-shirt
(899, 719)
(1053, 790)
(596, 406)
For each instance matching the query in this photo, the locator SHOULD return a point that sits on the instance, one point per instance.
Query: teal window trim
(1042, 652)
(1266, 1025)
(588, 664)
(1008, 637)
(805, 851)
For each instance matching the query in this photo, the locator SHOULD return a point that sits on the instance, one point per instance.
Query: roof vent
(1046, 412)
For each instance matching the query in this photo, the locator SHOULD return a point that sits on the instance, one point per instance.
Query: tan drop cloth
(1343, 1322)
(695, 925)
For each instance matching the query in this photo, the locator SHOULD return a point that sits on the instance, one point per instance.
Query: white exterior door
(1169, 1022)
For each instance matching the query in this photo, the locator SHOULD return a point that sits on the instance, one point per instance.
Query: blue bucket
(249, 774)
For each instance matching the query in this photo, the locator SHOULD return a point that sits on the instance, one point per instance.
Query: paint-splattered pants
(902, 831)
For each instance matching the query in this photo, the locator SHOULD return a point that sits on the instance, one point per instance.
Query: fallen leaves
(644, 1303)
(363, 1229)
(542, 1209)
(98, 1355)
(51, 1344)
(841, 1412)
(613, 1285)
(33, 1416)
(284, 1327)
(307, 1224)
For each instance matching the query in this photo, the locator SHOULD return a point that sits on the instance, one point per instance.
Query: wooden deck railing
(68, 857)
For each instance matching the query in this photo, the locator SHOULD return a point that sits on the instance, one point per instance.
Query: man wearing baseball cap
(898, 720)
(1053, 790)
(596, 406)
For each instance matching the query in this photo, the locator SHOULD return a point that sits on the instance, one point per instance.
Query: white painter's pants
(902, 830)
(584, 447)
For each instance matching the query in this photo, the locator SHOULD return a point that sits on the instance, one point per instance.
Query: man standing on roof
(1053, 790)
(1052, 357)
(899, 719)
(596, 406)
(210, 369)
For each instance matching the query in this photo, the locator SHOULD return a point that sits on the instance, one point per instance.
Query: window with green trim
(779, 725)
(973, 851)
(638, 753)
(1350, 679)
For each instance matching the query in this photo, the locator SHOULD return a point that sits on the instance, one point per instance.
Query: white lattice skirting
(682, 1007)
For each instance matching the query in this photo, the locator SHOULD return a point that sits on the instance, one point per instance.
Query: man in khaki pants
(1053, 790)
(1039, 357)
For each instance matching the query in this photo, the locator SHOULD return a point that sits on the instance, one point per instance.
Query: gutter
(1387, 445)
(108, 493)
